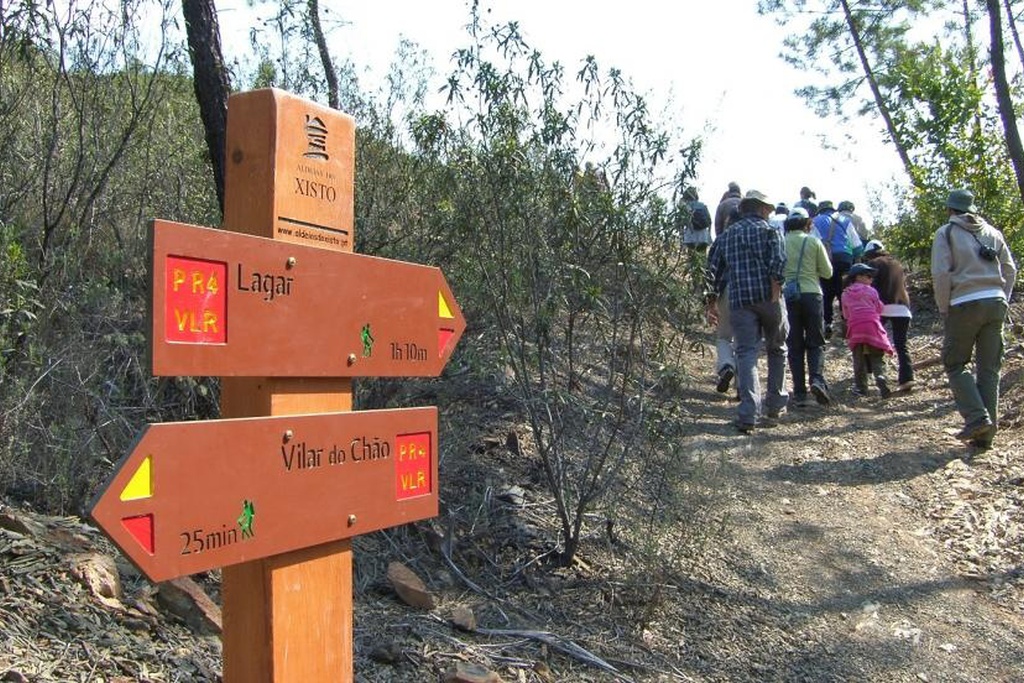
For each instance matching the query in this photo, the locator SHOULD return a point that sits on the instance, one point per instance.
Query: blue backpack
(835, 238)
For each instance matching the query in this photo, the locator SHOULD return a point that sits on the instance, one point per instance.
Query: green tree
(956, 134)
(553, 194)
(291, 39)
(949, 125)
(102, 134)
(850, 43)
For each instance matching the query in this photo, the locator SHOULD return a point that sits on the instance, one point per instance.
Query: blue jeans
(975, 327)
(767, 320)
(806, 341)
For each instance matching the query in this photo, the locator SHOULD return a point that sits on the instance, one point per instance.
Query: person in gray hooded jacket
(973, 274)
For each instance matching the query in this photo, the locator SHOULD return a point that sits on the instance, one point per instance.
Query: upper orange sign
(229, 304)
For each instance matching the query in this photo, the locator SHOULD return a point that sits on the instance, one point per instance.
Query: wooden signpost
(273, 493)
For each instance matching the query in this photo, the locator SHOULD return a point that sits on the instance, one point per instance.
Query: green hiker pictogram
(245, 519)
(367, 338)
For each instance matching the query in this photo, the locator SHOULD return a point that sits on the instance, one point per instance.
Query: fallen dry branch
(446, 553)
(564, 646)
(927, 362)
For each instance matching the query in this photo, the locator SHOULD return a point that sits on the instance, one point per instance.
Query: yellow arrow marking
(141, 483)
(442, 307)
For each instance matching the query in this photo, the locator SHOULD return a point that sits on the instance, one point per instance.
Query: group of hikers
(775, 273)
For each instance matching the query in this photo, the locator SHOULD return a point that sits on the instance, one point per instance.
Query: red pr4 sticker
(195, 301)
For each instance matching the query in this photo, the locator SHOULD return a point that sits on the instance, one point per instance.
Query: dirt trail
(853, 543)
(835, 523)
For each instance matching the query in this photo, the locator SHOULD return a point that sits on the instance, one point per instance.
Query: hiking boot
(976, 429)
(743, 427)
(859, 392)
(983, 441)
(820, 393)
(800, 401)
(725, 376)
(883, 387)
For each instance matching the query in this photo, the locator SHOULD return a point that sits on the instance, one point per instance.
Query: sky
(714, 67)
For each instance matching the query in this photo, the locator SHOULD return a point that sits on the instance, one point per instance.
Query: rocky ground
(860, 542)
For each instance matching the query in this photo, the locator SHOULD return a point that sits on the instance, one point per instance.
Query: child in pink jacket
(862, 310)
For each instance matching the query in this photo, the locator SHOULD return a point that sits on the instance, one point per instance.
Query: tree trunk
(1003, 97)
(210, 80)
(1012, 23)
(869, 74)
(325, 55)
(972, 62)
(968, 35)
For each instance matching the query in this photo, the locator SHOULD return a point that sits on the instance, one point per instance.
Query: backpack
(834, 241)
(700, 218)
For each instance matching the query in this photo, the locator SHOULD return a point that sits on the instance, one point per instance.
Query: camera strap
(949, 242)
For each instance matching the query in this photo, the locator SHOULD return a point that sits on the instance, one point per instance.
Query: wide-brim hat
(755, 197)
(826, 205)
(961, 200)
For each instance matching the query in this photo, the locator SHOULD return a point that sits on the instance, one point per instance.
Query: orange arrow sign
(230, 304)
(194, 496)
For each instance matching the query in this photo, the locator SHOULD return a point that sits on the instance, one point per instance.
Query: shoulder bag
(791, 290)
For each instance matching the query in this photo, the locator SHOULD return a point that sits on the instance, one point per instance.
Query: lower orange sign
(194, 496)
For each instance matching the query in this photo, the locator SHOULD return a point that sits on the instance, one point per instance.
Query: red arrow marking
(141, 529)
(444, 337)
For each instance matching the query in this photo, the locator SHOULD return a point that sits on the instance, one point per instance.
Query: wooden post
(289, 176)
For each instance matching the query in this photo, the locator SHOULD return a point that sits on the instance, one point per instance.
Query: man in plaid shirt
(750, 257)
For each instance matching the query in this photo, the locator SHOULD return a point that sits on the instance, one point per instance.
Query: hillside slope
(857, 542)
